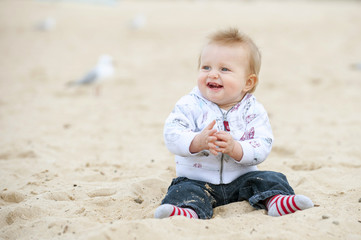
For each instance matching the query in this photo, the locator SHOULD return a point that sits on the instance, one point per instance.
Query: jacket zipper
(227, 129)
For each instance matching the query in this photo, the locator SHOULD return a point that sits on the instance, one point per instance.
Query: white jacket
(249, 125)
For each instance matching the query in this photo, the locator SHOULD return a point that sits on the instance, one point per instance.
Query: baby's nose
(213, 75)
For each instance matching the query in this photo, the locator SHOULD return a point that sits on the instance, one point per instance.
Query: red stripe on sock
(178, 211)
(273, 201)
(289, 206)
(294, 203)
(283, 206)
(172, 214)
(276, 202)
(184, 212)
(278, 210)
(189, 213)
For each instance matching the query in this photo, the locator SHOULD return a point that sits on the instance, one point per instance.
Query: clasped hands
(216, 142)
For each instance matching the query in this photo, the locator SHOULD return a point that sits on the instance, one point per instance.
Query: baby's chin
(214, 99)
(212, 95)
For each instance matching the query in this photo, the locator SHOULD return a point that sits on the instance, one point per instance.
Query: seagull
(47, 24)
(103, 70)
(356, 66)
(138, 22)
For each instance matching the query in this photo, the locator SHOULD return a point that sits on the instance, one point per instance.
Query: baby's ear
(251, 82)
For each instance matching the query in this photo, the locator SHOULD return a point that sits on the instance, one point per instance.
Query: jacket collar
(195, 91)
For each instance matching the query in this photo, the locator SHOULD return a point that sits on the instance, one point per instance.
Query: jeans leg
(257, 186)
(188, 193)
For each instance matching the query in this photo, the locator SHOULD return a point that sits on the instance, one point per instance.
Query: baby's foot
(280, 205)
(168, 210)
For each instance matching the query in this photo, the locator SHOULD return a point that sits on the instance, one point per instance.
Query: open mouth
(214, 85)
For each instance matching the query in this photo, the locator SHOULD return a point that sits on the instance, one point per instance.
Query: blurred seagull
(138, 22)
(103, 70)
(47, 24)
(356, 66)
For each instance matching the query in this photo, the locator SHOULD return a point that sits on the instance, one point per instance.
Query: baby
(219, 133)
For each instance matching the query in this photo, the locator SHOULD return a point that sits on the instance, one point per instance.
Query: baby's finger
(211, 145)
(211, 125)
(212, 132)
(220, 144)
(212, 148)
(211, 139)
(223, 136)
(214, 152)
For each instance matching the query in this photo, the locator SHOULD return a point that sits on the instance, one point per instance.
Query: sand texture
(90, 162)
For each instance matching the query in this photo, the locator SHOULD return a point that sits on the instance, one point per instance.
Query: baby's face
(223, 73)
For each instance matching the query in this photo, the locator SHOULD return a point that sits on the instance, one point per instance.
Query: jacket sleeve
(257, 139)
(179, 128)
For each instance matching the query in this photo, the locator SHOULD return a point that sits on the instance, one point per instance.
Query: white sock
(280, 205)
(168, 210)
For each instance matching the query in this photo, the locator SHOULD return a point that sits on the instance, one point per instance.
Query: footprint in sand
(281, 151)
(59, 196)
(306, 167)
(285, 152)
(22, 213)
(102, 192)
(12, 155)
(151, 188)
(14, 197)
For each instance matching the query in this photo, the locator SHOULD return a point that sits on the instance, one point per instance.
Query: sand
(75, 164)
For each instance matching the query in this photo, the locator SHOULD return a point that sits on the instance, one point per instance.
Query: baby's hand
(204, 140)
(224, 143)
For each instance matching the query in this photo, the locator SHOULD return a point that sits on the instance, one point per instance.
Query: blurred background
(72, 124)
(311, 50)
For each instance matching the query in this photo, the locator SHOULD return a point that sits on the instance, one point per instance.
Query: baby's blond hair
(233, 36)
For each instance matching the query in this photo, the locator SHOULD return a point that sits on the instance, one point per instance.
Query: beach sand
(79, 165)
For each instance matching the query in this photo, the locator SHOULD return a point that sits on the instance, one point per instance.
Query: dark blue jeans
(202, 197)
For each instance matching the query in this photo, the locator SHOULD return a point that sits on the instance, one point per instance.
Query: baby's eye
(206, 68)
(225, 69)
